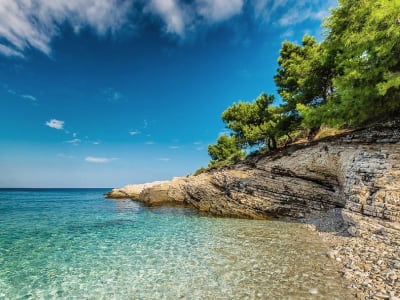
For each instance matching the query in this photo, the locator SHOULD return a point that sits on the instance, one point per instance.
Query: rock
(332, 254)
(313, 291)
(340, 186)
(357, 174)
(360, 295)
(157, 192)
(367, 267)
(381, 295)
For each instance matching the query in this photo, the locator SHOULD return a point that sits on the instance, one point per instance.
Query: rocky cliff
(358, 172)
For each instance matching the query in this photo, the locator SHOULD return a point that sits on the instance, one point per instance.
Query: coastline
(369, 264)
(346, 188)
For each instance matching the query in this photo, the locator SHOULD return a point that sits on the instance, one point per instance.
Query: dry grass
(325, 131)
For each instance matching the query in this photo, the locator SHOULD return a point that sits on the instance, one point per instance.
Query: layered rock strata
(358, 172)
(348, 185)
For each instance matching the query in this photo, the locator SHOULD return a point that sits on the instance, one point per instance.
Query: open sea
(75, 244)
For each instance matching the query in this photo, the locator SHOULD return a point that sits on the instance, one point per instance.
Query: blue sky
(102, 93)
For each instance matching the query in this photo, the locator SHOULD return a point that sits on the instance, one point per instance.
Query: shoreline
(346, 188)
(369, 264)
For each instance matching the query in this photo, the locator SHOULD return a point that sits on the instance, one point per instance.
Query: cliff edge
(346, 187)
(358, 172)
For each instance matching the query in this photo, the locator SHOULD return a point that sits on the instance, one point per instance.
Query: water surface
(74, 244)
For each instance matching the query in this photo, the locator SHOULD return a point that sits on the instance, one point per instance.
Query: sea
(76, 244)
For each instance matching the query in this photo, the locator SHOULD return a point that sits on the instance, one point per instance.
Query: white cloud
(134, 132)
(301, 11)
(166, 159)
(172, 12)
(96, 143)
(56, 124)
(174, 147)
(62, 155)
(180, 17)
(219, 10)
(7, 51)
(28, 24)
(149, 143)
(99, 160)
(33, 24)
(74, 142)
(287, 34)
(296, 12)
(29, 97)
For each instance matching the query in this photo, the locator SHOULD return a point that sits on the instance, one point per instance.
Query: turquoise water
(74, 244)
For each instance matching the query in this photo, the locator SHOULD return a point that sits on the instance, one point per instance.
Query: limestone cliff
(358, 172)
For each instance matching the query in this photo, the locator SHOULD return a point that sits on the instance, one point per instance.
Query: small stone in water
(313, 291)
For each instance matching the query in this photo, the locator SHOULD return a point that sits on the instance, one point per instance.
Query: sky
(103, 93)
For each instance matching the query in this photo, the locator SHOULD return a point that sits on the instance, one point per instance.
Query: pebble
(370, 263)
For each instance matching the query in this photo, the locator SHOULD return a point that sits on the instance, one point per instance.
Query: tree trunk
(271, 143)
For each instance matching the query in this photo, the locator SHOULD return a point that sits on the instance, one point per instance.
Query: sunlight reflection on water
(78, 245)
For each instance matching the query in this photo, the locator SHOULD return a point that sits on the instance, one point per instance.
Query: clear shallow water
(74, 244)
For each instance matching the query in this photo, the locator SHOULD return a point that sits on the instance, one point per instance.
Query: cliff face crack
(277, 170)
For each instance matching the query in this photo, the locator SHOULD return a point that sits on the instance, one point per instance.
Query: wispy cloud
(165, 159)
(11, 92)
(219, 10)
(149, 143)
(29, 97)
(287, 34)
(174, 147)
(199, 145)
(99, 160)
(7, 51)
(175, 15)
(74, 142)
(134, 132)
(33, 24)
(296, 12)
(113, 95)
(298, 15)
(56, 124)
(62, 155)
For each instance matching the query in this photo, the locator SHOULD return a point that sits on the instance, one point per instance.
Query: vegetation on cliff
(349, 79)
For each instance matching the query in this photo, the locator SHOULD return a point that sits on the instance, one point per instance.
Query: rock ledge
(356, 175)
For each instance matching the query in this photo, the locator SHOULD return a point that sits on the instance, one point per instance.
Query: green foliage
(256, 123)
(353, 76)
(369, 78)
(304, 75)
(363, 42)
(347, 80)
(225, 152)
(200, 171)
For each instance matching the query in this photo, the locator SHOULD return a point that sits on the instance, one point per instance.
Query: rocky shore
(347, 188)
